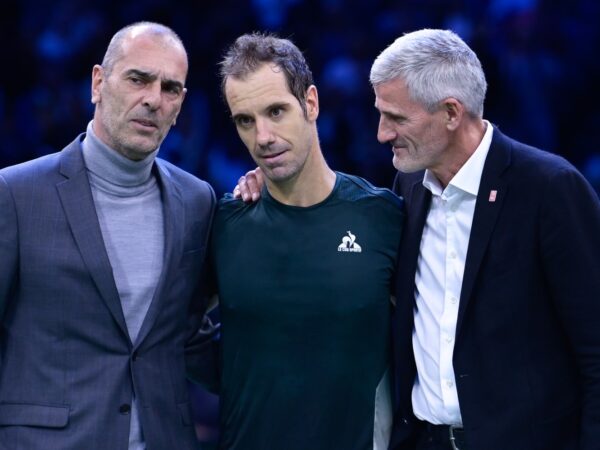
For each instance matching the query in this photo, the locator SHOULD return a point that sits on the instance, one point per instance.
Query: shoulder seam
(383, 193)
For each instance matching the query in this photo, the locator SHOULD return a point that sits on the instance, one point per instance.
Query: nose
(152, 96)
(385, 132)
(264, 133)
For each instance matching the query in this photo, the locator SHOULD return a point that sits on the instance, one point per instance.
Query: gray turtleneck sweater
(129, 207)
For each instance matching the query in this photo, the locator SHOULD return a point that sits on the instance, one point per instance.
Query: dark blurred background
(540, 58)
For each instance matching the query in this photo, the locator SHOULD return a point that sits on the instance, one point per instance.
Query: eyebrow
(278, 105)
(282, 105)
(148, 76)
(391, 114)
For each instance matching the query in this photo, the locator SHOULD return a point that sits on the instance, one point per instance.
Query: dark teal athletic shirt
(305, 302)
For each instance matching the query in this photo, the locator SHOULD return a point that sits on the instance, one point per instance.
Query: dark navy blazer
(527, 347)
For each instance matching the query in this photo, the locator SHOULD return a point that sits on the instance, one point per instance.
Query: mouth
(145, 124)
(273, 157)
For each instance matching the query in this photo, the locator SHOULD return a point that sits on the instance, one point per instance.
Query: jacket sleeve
(202, 355)
(202, 350)
(8, 246)
(570, 247)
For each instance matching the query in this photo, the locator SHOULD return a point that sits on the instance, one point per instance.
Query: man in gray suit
(101, 247)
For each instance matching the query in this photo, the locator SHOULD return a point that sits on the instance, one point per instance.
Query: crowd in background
(539, 57)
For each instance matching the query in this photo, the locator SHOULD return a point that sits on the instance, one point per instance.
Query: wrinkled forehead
(393, 97)
(266, 84)
(154, 53)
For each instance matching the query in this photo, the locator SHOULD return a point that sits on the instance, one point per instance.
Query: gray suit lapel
(173, 225)
(78, 204)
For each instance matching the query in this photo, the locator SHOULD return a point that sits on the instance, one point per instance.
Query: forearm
(202, 354)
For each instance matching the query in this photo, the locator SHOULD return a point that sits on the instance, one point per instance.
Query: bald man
(101, 245)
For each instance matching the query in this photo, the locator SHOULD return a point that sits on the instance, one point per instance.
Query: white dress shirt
(438, 283)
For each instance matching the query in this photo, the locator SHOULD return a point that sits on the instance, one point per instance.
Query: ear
(183, 94)
(97, 80)
(453, 111)
(312, 103)
(182, 99)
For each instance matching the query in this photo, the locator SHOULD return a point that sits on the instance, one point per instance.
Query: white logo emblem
(349, 245)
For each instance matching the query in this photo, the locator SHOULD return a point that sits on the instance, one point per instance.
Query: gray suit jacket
(68, 369)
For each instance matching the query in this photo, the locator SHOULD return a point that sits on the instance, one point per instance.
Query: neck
(310, 186)
(113, 167)
(463, 143)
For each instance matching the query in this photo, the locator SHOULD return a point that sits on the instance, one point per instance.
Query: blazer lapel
(418, 200)
(78, 204)
(174, 230)
(492, 192)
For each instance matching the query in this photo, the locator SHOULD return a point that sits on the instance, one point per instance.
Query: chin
(144, 147)
(404, 167)
(398, 165)
(277, 175)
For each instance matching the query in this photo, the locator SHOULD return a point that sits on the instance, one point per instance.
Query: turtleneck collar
(112, 168)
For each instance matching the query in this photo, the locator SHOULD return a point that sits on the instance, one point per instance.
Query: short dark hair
(250, 51)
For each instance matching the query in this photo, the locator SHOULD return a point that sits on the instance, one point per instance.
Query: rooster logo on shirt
(349, 244)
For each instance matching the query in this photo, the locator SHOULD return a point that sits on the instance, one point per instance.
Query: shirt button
(449, 383)
(453, 300)
(452, 255)
(125, 408)
(448, 339)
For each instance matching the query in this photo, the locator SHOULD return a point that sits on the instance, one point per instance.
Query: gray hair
(434, 64)
(114, 52)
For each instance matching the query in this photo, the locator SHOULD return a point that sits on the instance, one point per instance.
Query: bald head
(118, 43)
(139, 88)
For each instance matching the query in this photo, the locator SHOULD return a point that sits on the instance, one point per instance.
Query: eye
(172, 89)
(394, 118)
(276, 111)
(243, 121)
(136, 80)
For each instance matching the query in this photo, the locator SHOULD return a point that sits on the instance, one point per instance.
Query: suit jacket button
(125, 408)
(134, 357)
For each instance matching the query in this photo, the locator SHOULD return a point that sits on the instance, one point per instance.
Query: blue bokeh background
(540, 57)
